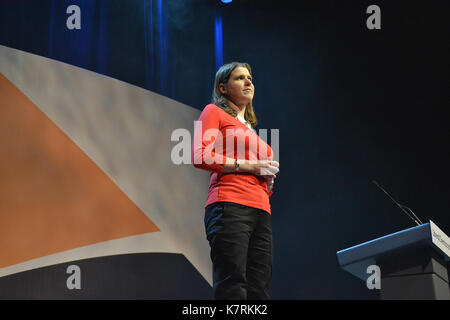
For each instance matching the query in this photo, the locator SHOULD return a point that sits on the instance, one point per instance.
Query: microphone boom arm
(402, 207)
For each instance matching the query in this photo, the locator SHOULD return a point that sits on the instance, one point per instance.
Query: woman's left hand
(270, 181)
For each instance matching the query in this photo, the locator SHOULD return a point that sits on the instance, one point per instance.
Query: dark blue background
(351, 104)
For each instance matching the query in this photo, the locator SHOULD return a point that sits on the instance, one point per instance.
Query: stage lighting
(226, 1)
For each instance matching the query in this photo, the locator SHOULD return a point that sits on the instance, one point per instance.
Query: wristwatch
(236, 165)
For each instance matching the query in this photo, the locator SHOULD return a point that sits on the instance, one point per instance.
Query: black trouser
(240, 238)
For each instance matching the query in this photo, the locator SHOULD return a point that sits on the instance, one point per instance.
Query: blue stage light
(226, 1)
(218, 41)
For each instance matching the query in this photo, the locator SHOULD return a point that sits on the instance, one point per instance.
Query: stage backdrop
(87, 180)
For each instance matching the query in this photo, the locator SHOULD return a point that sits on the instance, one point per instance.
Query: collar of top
(244, 122)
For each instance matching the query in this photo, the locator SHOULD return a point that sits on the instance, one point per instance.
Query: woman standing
(242, 171)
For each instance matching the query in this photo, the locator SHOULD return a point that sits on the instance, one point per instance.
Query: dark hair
(222, 76)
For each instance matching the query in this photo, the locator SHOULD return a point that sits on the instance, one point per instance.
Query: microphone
(410, 214)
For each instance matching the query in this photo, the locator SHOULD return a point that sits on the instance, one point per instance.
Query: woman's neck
(239, 109)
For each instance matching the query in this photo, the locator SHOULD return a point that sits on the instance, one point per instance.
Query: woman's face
(239, 89)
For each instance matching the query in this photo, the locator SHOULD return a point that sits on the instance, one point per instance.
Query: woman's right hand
(263, 168)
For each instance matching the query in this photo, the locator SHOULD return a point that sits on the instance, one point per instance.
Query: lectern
(413, 263)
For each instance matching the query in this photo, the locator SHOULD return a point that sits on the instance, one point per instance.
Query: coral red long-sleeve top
(216, 130)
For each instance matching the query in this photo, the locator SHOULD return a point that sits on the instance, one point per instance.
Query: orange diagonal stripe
(53, 197)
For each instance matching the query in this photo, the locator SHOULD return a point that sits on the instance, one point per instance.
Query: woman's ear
(222, 88)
